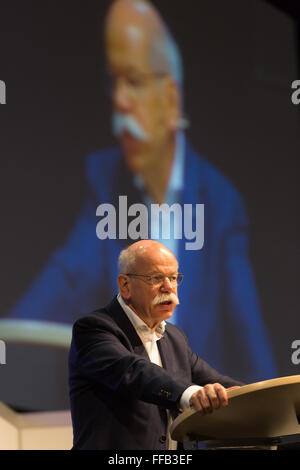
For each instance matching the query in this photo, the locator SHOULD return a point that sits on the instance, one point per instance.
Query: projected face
(142, 95)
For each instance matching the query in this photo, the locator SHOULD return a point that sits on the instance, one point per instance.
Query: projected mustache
(166, 297)
(125, 122)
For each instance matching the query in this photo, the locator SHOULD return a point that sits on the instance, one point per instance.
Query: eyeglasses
(158, 279)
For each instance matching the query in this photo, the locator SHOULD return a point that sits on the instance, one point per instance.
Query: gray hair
(127, 261)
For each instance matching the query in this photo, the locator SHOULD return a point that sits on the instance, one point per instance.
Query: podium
(261, 414)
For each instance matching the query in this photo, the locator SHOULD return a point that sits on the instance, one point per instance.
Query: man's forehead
(156, 259)
(131, 29)
(126, 32)
(128, 49)
(134, 33)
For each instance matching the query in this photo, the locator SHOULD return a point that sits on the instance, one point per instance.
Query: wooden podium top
(259, 410)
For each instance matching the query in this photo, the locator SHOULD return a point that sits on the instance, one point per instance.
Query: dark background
(240, 58)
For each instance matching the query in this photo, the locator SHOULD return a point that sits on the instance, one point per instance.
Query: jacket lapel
(126, 326)
(163, 348)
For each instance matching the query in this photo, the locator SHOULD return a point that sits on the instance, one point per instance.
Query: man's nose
(166, 284)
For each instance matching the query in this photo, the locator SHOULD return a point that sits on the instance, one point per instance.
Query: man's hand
(209, 398)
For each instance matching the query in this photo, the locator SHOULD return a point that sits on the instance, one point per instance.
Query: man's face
(142, 294)
(138, 94)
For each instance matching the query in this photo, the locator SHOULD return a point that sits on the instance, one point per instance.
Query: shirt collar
(138, 323)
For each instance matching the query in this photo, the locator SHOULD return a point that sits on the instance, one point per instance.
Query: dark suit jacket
(118, 397)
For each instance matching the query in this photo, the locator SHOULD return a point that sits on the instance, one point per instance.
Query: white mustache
(125, 122)
(166, 297)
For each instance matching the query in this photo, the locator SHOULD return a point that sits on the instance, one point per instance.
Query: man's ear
(124, 286)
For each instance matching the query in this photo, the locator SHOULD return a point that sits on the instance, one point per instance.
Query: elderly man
(156, 164)
(128, 366)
